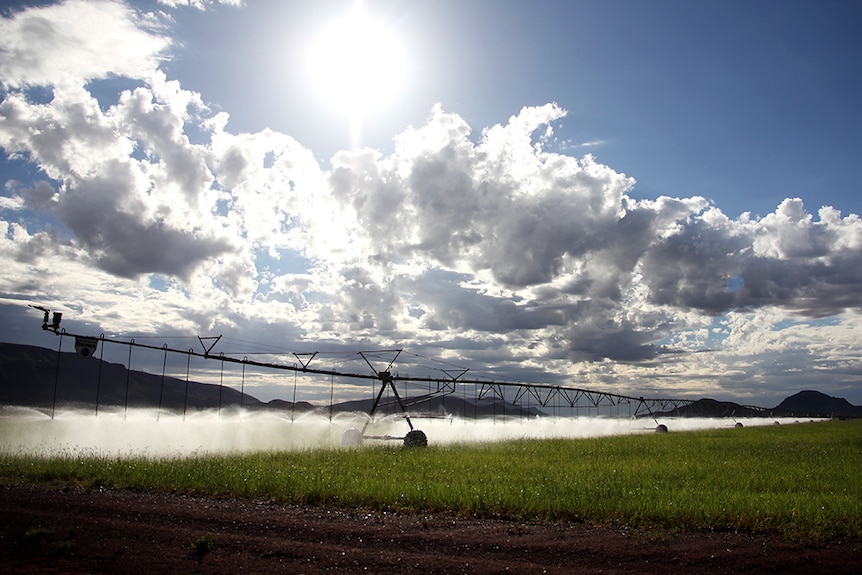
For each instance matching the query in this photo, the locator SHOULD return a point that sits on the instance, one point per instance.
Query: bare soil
(70, 530)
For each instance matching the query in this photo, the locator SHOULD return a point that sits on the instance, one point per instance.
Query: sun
(357, 64)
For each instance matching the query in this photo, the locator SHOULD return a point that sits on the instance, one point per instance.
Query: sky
(646, 198)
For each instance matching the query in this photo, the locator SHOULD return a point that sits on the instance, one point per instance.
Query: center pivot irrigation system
(545, 395)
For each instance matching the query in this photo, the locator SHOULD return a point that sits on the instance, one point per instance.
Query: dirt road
(57, 530)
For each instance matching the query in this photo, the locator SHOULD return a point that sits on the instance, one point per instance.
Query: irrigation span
(395, 384)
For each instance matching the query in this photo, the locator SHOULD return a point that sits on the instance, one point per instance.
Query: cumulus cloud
(75, 41)
(135, 215)
(484, 245)
(199, 4)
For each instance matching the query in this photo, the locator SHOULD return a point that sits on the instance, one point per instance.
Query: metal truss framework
(576, 400)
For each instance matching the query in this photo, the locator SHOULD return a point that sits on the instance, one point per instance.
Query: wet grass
(800, 480)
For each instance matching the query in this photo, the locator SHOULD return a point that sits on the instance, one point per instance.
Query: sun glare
(357, 64)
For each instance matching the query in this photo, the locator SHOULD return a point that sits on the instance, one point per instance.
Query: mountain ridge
(83, 383)
(807, 403)
(118, 386)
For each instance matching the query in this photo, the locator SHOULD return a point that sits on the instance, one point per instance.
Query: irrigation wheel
(415, 438)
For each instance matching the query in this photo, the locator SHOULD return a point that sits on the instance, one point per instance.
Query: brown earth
(64, 530)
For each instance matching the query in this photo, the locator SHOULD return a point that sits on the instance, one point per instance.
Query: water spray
(386, 380)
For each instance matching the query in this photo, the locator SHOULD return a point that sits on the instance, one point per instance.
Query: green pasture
(802, 480)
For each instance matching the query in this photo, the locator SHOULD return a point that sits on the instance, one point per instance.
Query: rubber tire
(415, 438)
(351, 437)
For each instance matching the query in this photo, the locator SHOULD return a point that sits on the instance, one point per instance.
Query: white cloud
(484, 248)
(76, 41)
(199, 4)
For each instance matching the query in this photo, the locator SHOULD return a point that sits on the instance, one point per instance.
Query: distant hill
(812, 403)
(28, 375)
(712, 408)
(445, 406)
(803, 404)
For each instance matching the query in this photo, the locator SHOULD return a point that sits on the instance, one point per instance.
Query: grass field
(801, 480)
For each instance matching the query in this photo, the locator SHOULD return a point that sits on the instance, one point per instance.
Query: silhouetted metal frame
(544, 394)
